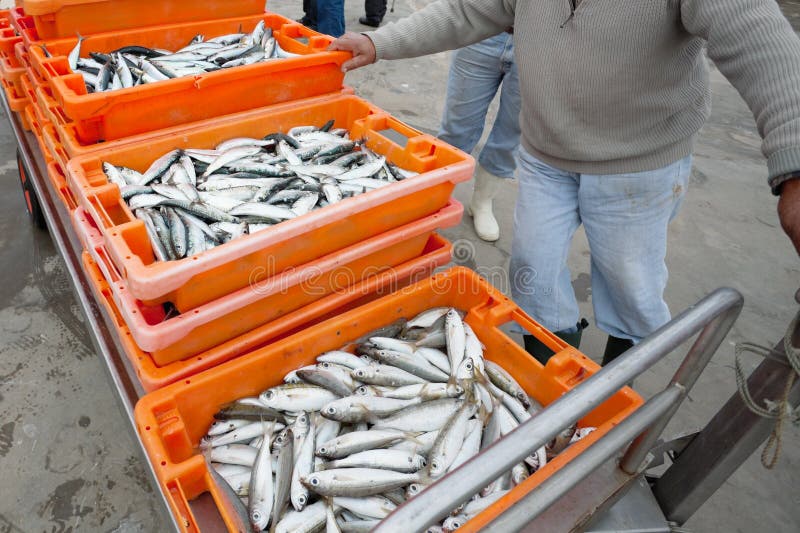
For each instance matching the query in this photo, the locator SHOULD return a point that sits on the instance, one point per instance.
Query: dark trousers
(310, 16)
(375, 9)
(330, 17)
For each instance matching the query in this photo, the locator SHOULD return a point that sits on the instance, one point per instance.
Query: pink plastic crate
(226, 317)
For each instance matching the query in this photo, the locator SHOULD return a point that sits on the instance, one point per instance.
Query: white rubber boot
(480, 206)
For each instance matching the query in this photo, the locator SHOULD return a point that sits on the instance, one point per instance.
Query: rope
(780, 410)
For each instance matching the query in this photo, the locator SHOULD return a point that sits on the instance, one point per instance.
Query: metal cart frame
(599, 490)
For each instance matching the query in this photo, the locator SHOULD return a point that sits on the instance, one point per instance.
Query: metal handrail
(714, 315)
(571, 474)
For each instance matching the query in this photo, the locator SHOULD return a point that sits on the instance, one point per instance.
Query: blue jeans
(625, 217)
(330, 17)
(476, 73)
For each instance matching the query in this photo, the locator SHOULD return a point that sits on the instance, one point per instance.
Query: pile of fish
(345, 441)
(130, 66)
(195, 199)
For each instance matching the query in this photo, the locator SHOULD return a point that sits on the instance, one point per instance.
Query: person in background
(324, 16)
(612, 99)
(374, 11)
(309, 14)
(476, 73)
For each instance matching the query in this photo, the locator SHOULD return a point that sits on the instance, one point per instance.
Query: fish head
(466, 370)
(454, 522)
(417, 461)
(313, 481)
(436, 468)
(454, 390)
(259, 519)
(330, 411)
(518, 476)
(324, 451)
(267, 396)
(413, 489)
(302, 419)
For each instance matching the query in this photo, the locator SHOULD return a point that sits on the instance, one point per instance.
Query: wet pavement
(66, 454)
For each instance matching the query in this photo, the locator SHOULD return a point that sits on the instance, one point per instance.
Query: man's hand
(789, 210)
(360, 45)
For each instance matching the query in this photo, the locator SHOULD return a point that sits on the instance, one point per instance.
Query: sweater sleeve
(443, 25)
(754, 46)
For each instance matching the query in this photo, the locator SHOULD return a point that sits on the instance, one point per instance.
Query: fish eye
(314, 481)
(325, 364)
(269, 394)
(301, 499)
(256, 516)
(435, 465)
(330, 410)
(360, 373)
(323, 450)
(423, 462)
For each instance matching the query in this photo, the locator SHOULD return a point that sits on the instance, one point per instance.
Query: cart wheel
(29, 194)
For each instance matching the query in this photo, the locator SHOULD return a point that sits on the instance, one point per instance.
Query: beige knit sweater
(617, 86)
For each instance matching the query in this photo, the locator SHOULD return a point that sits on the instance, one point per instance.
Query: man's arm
(440, 26)
(789, 210)
(754, 46)
(443, 25)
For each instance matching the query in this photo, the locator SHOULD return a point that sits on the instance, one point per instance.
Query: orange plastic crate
(23, 25)
(193, 281)
(11, 69)
(231, 315)
(35, 122)
(172, 420)
(24, 118)
(437, 252)
(8, 35)
(16, 99)
(29, 90)
(62, 18)
(63, 138)
(55, 175)
(116, 114)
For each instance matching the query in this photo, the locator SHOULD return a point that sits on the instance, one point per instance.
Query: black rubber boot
(542, 353)
(615, 347)
(366, 21)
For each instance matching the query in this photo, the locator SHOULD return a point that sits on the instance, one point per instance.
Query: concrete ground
(66, 456)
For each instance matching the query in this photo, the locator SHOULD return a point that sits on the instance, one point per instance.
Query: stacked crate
(222, 320)
(219, 315)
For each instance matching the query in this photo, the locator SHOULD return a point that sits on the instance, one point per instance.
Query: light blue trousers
(476, 72)
(625, 217)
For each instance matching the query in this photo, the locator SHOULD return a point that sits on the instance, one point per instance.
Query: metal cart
(607, 488)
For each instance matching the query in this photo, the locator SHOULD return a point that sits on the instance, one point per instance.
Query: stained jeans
(625, 217)
(476, 72)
